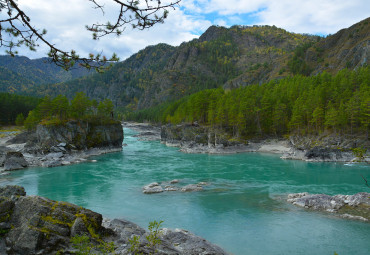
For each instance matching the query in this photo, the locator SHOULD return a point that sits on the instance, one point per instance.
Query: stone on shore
(14, 160)
(37, 225)
(355, 206)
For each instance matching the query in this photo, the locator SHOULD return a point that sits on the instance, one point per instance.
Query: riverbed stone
(191, 188)
(152, 188)
(203, 184)
(171, 188)
(355, 206)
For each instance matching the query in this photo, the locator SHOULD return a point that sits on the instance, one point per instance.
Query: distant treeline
(12, 105)
(59, 110)
(297, 104)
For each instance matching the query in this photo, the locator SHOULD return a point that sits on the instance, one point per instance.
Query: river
(243, 210)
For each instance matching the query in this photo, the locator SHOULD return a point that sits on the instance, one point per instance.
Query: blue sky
(65, 21)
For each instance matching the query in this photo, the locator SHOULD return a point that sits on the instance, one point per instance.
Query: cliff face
(177, 134)
(348, 48)
(80, 135)
(63, 144)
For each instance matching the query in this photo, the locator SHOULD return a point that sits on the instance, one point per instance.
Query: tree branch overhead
(16, 29)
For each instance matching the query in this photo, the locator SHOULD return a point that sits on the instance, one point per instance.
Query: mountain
(19, 74)
(229, 57)
(162, 72)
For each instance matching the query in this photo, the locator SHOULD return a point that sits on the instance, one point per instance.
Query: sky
(65, 21)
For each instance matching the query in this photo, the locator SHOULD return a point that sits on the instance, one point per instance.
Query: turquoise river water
(243, 210)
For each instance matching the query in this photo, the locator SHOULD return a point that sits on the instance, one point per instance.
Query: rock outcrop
(57, 145)
(147, 132)
(36, 225)
(355, 206)
(193, 138)
(328, 147)
(79, 135)
(323, 147)
(14, 160)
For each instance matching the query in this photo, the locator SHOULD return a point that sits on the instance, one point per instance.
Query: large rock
(176, 241)
(152, 188)
(37, 225)
(14, 160)
(185, 242)
(79, 135)
(355, 206)
(3, 151)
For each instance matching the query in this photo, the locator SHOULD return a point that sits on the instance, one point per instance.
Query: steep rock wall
(80, 135)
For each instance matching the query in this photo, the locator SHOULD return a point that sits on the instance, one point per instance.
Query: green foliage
(12, 106)
(297, 64)
(19, 121)
(295, 104)
(84, 246)
(59, 110)
(359, 152)
(153, 239)
(79, 105)
(4, 232)
(32, 120)
(105, 107)
(134, 245)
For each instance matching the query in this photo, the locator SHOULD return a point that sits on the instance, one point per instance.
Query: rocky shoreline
(147, 132)
(324, 147)
(68, 144)
(37, 225)
(356, 207)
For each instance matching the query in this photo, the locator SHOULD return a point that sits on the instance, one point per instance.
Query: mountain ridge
(221, 57)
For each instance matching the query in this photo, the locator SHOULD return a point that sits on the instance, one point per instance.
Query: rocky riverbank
(51, 146)
(355, 206)
(37, 225)
(323, 147)
(146, 131)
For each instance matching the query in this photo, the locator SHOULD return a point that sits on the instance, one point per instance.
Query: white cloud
(65, 21)
(302, 16)
(314, 16)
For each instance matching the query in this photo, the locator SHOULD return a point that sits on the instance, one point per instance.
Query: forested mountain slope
(304, 105)
(348, 48)
(221, 57)
(162, 72)
(19, 74)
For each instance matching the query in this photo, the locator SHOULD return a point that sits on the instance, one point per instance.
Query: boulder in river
(152, 188)
(192, 187)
